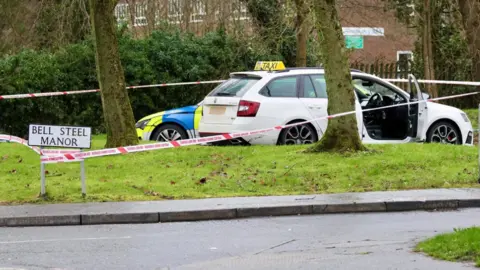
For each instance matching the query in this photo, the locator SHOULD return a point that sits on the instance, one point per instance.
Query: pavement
(236, 208)
(373, 241)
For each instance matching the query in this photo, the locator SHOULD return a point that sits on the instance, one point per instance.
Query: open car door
(417, 113)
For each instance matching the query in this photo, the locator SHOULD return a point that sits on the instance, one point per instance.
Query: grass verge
(463, 245)
(202, 172)
(473, 116)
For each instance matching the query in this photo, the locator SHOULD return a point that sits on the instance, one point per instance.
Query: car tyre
(169, 132)
(296, 135)
(444, 132)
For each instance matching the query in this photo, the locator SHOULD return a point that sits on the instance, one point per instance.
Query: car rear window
(235, 87)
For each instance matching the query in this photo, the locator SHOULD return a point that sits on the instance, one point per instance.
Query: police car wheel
(169, 132)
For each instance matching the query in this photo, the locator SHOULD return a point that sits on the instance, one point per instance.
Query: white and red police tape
(62, 93)
(438, 82)
(43, 152)
(73, 157)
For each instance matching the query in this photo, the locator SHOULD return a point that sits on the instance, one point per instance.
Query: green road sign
(355, 42)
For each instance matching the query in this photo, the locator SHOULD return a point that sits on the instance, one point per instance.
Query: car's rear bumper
(235, 141)
(267, 138)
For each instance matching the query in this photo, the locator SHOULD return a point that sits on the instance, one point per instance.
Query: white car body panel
(443, 112)
(275, 111)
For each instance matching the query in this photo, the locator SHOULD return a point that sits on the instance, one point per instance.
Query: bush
(159, 58)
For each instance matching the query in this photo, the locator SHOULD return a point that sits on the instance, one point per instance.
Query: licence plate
(218, 110)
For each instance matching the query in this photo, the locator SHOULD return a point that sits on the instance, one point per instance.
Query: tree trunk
(301, 28)
(132, 9)
(428, 62)
(117, 111)
(470, 10)
(342, 132)
(187, 11)
(151, 18)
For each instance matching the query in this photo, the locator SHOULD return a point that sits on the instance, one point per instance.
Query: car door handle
(315, 107)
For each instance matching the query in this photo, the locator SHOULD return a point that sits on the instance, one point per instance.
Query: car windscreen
(362, 91)
(235, 86)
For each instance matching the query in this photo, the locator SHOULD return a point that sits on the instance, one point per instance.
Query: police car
(273, 95)
(170, 125)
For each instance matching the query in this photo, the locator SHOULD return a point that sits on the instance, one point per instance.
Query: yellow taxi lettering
(269, 65)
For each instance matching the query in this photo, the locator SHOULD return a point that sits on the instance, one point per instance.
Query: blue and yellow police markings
(197, 117)
(187, 117)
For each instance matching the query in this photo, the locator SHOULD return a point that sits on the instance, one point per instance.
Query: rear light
(248, 108)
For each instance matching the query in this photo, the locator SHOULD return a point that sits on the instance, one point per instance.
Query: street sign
(354, 42)
(363, 31)
(59, 136)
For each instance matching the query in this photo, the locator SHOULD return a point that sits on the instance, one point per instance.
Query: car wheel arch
(297, 121)
(168, 123)
(450, 121)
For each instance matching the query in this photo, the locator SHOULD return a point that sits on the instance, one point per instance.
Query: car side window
(308, 88)
(281, 87)
(320, 85)
(365, 87)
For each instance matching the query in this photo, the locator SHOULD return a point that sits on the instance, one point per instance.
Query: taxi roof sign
(269, 65)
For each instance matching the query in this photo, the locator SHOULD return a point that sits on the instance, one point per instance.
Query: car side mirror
(425, 95)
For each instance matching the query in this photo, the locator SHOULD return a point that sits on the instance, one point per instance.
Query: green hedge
(162, 57)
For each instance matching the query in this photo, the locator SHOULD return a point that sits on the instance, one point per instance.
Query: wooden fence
(397, 70)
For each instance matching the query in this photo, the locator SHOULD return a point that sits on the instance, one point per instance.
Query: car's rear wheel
(444, 132)
(169, 132)
(301, 134)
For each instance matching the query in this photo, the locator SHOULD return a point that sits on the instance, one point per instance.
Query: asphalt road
(353, 241)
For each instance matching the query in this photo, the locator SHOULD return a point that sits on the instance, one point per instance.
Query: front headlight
(142, 124)
(465, 117)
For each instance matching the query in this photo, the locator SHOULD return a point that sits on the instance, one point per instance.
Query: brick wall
(371, 13)
(353, 13)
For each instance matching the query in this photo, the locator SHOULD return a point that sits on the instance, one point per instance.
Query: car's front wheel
(169, 132)
(301, 134)
(444, 132)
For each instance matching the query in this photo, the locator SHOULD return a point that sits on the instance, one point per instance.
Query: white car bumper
(238, 126)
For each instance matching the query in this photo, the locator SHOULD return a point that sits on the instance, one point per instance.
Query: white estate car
(264, 99)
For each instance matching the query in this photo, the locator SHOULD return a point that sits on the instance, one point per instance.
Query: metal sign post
(42, 175)
(63, 137)
(478, 130)
(82, 178)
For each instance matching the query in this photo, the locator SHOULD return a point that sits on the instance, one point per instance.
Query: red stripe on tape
(122, 150)
(175, 144)
(164, 84)
(329, 117)
(278, 127)
(32, 95)
(1, 97)
(65, 93)
(69, 157)
(227, 136)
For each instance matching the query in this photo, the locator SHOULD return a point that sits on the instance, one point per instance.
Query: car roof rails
(319, 67)
(296, 68)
